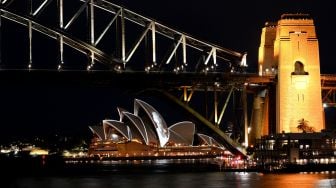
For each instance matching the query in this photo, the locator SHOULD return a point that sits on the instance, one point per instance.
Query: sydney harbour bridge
(98, 42)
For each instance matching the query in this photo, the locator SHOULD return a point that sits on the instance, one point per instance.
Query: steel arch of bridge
(34, 15)
(169, 50)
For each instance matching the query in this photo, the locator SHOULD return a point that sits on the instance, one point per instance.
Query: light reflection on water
(166, 173)
(181, 180)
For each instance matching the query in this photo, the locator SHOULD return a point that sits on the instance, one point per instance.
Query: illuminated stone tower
(290, 50)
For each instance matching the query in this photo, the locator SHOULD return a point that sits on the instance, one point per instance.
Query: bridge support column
(259, 119)
(91, 33)
(266, 115)
(244, 101)
(123, 39)
(30, 37)
(60, 37)
(216, 107)
(291, 47)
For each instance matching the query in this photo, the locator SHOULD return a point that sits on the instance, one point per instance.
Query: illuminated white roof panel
(209, 140)
(99, 131)
(157, 120)
(135, 131)
(137, 122)
(182, 133)
(121, 115)
(118, 126)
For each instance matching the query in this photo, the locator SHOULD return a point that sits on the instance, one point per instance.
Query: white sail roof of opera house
(98, 131)
(121, 115)
(207, 140)
(147, 126)
(156, 119)
(117, 125)
(182, 132)
(146, 131)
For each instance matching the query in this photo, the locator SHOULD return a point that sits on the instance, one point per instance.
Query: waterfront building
(296, 148)
(145, 134)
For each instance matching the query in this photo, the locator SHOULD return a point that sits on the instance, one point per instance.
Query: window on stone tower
(299, 69)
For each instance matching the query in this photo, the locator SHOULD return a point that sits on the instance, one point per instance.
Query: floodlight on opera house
(147, 126)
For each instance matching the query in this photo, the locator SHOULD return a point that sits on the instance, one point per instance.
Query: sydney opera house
(145, 134)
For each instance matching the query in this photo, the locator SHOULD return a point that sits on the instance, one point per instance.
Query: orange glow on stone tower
(296, 61)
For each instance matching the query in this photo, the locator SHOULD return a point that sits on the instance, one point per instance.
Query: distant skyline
(234, 25)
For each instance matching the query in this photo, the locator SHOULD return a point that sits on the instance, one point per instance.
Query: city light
(38, 151)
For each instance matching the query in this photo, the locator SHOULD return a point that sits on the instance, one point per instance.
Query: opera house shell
(144, 133)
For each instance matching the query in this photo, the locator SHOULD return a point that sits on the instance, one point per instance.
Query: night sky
(37, 110)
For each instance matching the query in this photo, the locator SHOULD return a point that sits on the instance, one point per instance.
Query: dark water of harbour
(179, 180)
(162, 174)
